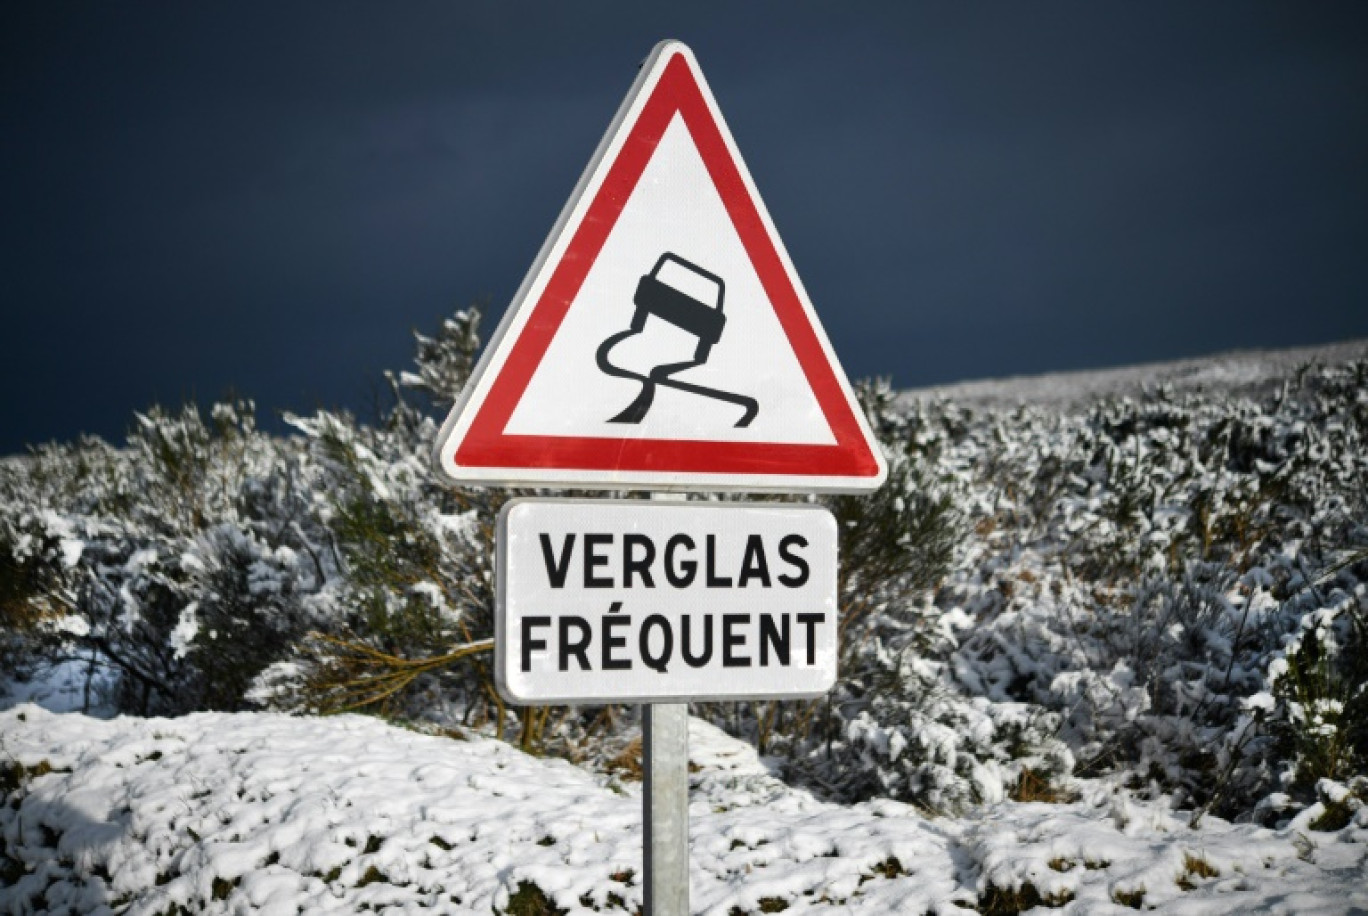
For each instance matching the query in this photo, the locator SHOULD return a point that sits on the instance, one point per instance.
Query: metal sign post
(665, 807)
(665, 798)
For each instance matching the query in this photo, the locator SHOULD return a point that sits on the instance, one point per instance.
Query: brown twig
(353, 675)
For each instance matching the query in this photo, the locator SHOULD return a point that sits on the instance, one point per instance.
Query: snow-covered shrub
(1137, 578)
(901, 539)
(246, 610)
(156, 563)
(410, 611)
(1321, 689)
(444, 362)
(34, 561)
(1139, 568)
(917, 740)
(415, 557)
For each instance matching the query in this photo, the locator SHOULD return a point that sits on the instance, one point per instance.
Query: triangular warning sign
(662, 339)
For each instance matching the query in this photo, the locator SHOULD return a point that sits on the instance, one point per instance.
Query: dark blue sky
(267, 198)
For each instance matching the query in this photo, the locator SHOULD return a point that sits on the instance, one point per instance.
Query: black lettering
(556, 570)
(753, 564)
(638, 565)
(714, 580)
(737, 640)
(772, 636)
(659, 661)
(680, 575)
(697, 661)
(794, 560)
(611, 642)
(530, 645)
(810, 621)
(578, 648)
(594, 560)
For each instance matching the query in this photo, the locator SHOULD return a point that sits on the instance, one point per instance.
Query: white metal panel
(635, 601)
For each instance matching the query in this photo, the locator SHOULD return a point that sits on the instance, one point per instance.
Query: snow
(267, 813)
(1246, 373)
(72, 549)
(187, 628)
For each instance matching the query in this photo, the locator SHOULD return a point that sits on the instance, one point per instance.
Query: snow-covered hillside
(269, 814)
(1240, 373)
(1104, 643)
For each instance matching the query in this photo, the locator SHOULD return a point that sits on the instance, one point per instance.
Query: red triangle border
(486, 445)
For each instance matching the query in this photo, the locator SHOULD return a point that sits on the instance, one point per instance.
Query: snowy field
(271, 814)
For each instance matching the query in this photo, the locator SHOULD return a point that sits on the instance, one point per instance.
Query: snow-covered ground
(271, 814)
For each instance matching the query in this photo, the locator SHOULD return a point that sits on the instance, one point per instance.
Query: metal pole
(665, 807)
(665, 801)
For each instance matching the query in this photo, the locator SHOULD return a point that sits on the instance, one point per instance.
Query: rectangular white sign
(635, 601)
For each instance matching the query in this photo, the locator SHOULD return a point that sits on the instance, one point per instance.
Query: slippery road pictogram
(706, 322)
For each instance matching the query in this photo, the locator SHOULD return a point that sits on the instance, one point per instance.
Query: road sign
(633, 601)
(662, 339)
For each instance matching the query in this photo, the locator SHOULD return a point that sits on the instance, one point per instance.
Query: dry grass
(1336, 816)
(1000, 901)
(531, 900)
(1034, 786)
(1134, 899)
(626, 763)
(1195, 865)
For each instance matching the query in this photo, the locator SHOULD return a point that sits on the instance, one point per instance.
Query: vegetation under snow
(1164, 592)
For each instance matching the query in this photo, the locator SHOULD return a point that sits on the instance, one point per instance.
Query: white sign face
(634, 601)
(662, 339)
